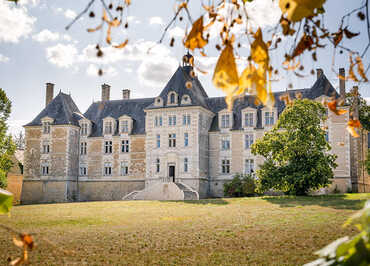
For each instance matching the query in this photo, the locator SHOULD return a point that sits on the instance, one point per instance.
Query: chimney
(105, 92)
(342, 83)
(319, 72)
(49, 93)
(355, 102)
(125, 94)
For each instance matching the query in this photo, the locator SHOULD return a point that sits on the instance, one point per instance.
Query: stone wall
(31, 166)
(15, 182)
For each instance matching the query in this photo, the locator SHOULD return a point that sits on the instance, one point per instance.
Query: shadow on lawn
(206, 202)
(331, 201)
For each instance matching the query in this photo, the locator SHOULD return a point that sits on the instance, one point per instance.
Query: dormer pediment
(47, 119)
(122, 117)
(109, 118)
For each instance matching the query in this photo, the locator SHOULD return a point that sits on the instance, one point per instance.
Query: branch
(80, 15)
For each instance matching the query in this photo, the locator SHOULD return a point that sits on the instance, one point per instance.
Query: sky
(35, 48)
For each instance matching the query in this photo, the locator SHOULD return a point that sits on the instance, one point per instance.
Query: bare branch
(80, 15)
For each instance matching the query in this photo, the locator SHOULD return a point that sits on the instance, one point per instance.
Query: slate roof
(116, 108)
(177, 83)
(62, 109)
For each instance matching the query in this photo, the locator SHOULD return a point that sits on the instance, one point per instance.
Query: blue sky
(35, 48)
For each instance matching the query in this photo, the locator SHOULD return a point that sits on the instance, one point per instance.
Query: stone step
(188, 194)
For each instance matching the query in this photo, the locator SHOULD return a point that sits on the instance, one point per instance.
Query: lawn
(238, 231)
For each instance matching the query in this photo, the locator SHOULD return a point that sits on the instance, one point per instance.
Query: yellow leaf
(121, 45)
(95, 29)
(195, 38)
(259, 49)
(299, 9)
(109, 37)
(352, 124)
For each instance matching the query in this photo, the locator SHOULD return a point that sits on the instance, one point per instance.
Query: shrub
(240, 186)
(3, 179)
(367, 162)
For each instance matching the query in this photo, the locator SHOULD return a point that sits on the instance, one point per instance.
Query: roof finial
(188, 59)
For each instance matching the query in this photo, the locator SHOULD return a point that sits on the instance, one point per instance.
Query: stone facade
(181, 137)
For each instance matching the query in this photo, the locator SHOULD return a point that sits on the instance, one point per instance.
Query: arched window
(172, 98)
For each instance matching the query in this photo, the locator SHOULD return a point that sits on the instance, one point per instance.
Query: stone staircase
(131, 195)
(189, 194)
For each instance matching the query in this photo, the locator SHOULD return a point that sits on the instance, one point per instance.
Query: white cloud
(156, 71)
(3, 58)
(29, 2)
(62, 55)
(133, 19)
(70, 14)
(128, 69)
(367, 99)
(45, 36)
(92, 70)
(67, 37)
(15, 22)
(176, 32)
(156, 20)
(15, 126)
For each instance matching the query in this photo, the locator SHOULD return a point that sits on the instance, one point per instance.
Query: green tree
(7, 147)
(367, 162)
(363, 109)
(240, 186)
(296, 151)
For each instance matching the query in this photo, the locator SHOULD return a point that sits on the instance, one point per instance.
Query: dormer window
(84, 129)
(158, 102)
(108, 127)
(125, 124)
(248, 119)
(269, 118)
(46, 128)
(85, 126)
(124, 127)
(172, 98)
(225, 121)
(185, 99)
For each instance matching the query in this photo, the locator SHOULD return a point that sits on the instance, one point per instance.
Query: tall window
(186, 165)
(248, 119)
(186, 120)
(158, 141)
(83, 171)
(46, 127)
(108, 127)
(157, 165)
(84, 129)
(45, 169)
(125, 147)
(124, 128)
(172, 120)
(248, 141)
(107, 169)
(225, 143)
(171, 140)
(225, 121)
(186, 139)
(158, 121)
(45, 147)
(225, 165)
(327, 136)
(172, 98)
(249, 166)
(108, 146)
(83, 148)
(269, 118)
(124, 168)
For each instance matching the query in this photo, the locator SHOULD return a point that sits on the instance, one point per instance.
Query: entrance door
(171, 173)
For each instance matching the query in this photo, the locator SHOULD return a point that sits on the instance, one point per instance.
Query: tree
(296, 151)
(240, 186)
(7, 147)
(367, 162)
(19, 140)
(363, 109)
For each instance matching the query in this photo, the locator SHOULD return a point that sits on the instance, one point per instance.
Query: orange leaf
(121, 45)
(333, 107)
(259, 49)
(352, 125)
(109, 37)
(195, 38)
(360, 68)
(338, 36)
(95, 29)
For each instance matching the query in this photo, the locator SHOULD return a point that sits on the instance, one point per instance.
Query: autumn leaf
(299, 9)
(333, 107)
(25, 241)
(351, 73)
(95, 29)
(6, 199)
(351, 127)
(109, 37)
(338, 36)
(121, 45)
(360, 68)
(305, 42)
(259, 49)
(350, 34)
(285, 25)
(195, 37)
(286, 99)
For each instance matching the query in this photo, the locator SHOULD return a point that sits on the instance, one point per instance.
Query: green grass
(239, 231)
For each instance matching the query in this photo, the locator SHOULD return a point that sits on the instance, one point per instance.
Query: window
(172, 120)
(83, 171)
(83, 148)
(158, 141)
(158, 165)
(225, 166)
(108, 146)
(186, 139)
(158, 121)
(269, 118)
(84, 129)
(125, 147)
(225, 121)
(171, 140)
(124, 168)
(172, 98)
(248, 119)
(46, 127)
(186, 120)
(249, 166)
(107, 169)
(124, 128)
(45, 169)
(225, 143)
(108, 129)
(45, 147)
(327, 136)
(248, 141)
(186, 165)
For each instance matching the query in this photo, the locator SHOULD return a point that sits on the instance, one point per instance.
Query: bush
(3, 179)
(240, 186)
(367, 162)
